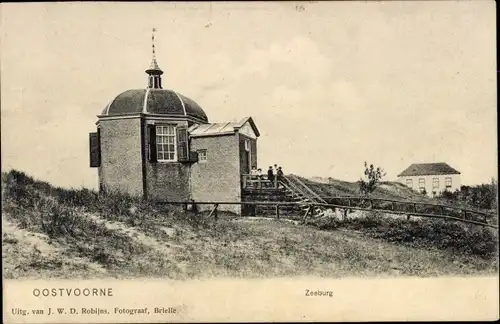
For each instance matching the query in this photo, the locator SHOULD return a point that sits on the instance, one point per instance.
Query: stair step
(273, 210)
(293, 192)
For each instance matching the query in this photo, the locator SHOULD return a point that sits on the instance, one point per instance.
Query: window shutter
(193, 156)
(152, 143)
(182, 144)
(95, 150)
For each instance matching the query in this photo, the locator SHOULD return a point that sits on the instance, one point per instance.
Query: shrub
(372, 177)
(457, 237)
(483, 196)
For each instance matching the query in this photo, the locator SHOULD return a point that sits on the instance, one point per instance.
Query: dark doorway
(246, 162)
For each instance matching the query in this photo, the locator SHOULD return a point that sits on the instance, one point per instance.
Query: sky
(330, 85)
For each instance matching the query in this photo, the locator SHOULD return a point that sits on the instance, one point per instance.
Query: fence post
(214, 211)
(465, 214)
(392, 205)
(307, 213)
(277, 211)
(408, 217)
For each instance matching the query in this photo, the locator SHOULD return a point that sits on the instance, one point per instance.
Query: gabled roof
(252, 124)
(420, 169)
(215, 129)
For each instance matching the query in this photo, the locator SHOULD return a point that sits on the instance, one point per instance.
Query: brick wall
(219, 177)
(121, 165)
(166, 180)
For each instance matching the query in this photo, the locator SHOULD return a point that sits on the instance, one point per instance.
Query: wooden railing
(308, 191)
(277, 205)
(291, 182)
(250, 181)
(413, 205)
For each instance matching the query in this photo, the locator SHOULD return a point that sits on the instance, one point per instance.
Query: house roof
(215, 129)
(154, 101)
(418, 169)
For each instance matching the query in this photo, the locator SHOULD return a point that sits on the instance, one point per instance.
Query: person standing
(279, 173)
(259, 177)
(279, 176)
(270, 174)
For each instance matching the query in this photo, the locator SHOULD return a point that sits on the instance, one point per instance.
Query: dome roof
(154, 101)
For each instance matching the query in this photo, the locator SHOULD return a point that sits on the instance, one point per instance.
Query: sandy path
(134, 234)
(22, 248)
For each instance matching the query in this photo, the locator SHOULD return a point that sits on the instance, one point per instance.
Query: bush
(482, 196)
(424, 233)
(372, 177)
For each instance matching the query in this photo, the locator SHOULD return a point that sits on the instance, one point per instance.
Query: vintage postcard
(249, 161)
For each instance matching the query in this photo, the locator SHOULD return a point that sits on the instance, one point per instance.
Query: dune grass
(121, 236)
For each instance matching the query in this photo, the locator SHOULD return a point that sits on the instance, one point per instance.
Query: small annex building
(159, 144)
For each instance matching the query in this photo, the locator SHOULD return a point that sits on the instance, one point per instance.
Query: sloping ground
(388, 190)
(27, 254)
(260, 248)
(58, 233)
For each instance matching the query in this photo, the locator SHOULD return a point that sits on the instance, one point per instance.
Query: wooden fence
(412, 207)
(487, 219)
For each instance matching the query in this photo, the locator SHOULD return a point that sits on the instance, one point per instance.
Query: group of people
(272, 173)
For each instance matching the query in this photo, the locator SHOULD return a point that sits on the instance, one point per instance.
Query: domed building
(159, 144)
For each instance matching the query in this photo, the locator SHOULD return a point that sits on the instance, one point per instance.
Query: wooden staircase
(288, 189)
(298, 191)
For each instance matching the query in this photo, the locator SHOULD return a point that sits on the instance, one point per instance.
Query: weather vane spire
(153, 42)
(154, 72)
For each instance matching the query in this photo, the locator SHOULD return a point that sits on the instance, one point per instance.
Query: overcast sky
(329, 85)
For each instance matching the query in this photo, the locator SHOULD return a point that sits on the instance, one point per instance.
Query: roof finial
(154, 71)
(153, 42)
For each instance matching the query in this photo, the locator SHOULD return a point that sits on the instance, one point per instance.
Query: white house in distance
(433, 177)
